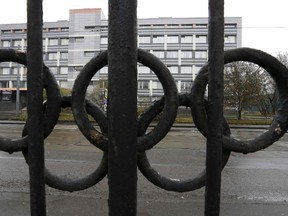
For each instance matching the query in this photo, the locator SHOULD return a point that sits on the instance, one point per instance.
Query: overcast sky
(265, 23)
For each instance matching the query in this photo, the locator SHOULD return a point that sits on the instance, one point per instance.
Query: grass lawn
(67, 116)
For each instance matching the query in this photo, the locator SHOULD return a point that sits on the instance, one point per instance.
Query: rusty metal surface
(215, 107)
(122, 107)
(35, 121)
(123, 137)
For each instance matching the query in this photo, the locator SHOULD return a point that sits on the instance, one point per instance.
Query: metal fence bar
(215, 107)
(122, 107)
(35, 112)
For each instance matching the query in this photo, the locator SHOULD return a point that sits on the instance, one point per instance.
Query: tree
(268, 96)
(95, 95)
(283, 58)
(63, 92)
(242, 84)
(99, 93)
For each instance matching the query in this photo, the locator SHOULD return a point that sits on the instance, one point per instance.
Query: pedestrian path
(17, 204)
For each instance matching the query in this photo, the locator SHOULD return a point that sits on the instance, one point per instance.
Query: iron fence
(123, 138)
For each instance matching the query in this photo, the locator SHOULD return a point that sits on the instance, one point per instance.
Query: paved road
(253, 184)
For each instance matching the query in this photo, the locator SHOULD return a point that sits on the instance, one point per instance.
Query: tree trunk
(239, 114)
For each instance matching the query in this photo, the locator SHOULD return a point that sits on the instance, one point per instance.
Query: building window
(63, 84)
(172, 39)
(201, 39)
(6, 43)
(76, 40)
(143, 69)
(158, 39)
(173, 69)
(186, 54)
(53, 41)
(24, 84)
(186, 85)
(186, 69)
(23, 70)
(89, 54)
(144, 26)
(104, 28)
(21, 84)
(18, 31)
(64, 55)
(172, 54)
(64, 29)
(6, 31)
(230, 39)
(158, 53)
(14, 84)
(186, 39)
(187, 25)
(156, 85)
(53, 29)
(196, 70)
(5, 71)
(143, 85)
(159, 25)
(14, 70)
(200, 25)
(54, 70)
(144, 39)
(104, 70)
(79, 39)
(104, 40)
(78, 68)
(63, 70)
(17, 43)
(172, 25)
(52, 56)
(4, 84)
(90, 27)
(7, 95)
(103, 84)
(64, 41)
(201, 54)
(230, 25)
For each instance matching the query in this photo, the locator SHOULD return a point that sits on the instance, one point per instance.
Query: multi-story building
(180, 43)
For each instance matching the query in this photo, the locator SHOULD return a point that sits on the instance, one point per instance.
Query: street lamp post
(17, 92)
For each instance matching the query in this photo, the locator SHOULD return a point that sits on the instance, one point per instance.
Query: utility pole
(17, 92)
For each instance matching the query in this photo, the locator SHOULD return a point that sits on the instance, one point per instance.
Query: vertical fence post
(215, 107)
(35, 112)
(122, 107)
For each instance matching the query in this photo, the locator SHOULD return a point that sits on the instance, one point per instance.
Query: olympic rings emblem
(168, 105)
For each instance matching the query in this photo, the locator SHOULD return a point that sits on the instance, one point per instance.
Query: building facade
(180, 43)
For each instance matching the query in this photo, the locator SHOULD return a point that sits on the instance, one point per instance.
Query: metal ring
(156, 178)
(71, 185)
(146, 141)
(91, 108)
(170, 184)
(67, 184)
(280, 75)
(53, 102)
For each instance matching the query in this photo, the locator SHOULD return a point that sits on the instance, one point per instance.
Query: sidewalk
(17, 204)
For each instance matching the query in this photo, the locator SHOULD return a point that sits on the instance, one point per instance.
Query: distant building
(180, 43)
